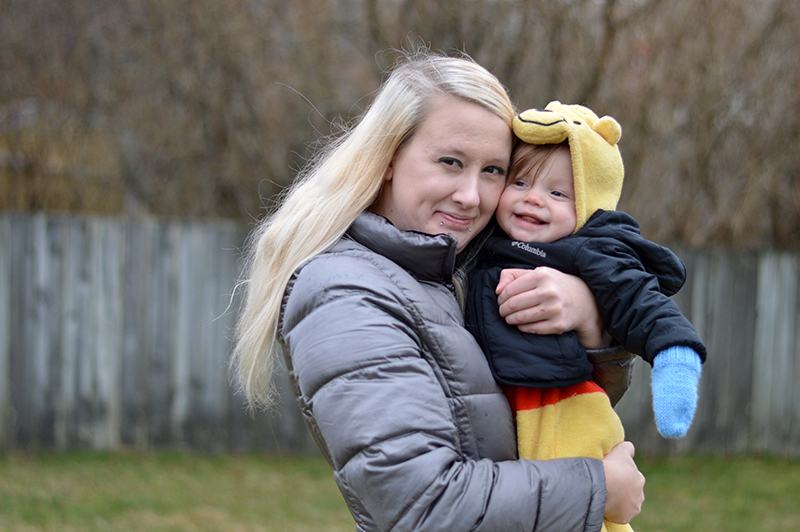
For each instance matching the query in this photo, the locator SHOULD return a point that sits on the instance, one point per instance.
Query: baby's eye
(559, 194)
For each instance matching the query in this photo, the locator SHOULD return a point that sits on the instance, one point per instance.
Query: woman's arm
(546, 301)
(383, 414)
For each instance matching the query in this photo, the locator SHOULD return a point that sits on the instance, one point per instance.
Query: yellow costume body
(566, 422)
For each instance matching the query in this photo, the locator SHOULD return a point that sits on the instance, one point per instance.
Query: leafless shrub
(206, 108)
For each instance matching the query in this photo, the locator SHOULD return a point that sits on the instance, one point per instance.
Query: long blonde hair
(342, 180)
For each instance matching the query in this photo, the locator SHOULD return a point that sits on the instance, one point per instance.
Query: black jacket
(631, 279)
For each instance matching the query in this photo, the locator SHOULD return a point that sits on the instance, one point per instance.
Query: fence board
(137, 333)
(164, 321)
(774, 350)
(5, 331)
(116, 332)
(108, 258)
(739, 351)
(794, 436)
(55, 236)
(74, 304)
(86, 414)
(22, 319)
(728, 333)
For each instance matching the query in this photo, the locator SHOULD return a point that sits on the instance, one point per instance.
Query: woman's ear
(387, 175)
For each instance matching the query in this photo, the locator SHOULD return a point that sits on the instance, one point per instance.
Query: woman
(354, 280)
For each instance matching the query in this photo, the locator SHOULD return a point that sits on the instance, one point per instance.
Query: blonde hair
(340, 182)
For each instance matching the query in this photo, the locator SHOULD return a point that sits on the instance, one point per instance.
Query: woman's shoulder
(347, 270)
(352, 275)
(348, 264)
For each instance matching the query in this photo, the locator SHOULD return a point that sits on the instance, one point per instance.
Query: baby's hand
(674, 379)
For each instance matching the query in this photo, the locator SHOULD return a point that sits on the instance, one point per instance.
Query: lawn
(718, 494)
(171, 491)
(168, 491)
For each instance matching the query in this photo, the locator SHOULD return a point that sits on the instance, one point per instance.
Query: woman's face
(449, 176)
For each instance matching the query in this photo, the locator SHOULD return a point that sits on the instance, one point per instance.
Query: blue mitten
(676, 372)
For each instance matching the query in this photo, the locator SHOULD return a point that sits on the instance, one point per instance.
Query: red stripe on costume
(531, 398)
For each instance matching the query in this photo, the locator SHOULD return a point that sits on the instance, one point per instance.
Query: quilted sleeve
(383, 416)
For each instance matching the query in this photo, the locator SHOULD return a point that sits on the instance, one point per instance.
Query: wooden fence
(116, 332)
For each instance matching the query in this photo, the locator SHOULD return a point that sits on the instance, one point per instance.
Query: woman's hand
(624, 484)
(547, 301)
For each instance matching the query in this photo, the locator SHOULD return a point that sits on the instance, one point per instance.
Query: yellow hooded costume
(575, 420)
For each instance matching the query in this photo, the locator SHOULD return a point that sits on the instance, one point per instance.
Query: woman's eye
(495, 170)
(451, 161)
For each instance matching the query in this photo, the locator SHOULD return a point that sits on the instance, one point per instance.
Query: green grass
(719, 494)
(168, 491)
(171, 491)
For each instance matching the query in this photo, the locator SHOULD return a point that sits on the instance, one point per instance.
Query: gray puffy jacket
(401, 402)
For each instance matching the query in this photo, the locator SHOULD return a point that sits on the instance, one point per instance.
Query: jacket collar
(426, 257)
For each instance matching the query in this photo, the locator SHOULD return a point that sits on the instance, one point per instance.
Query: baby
(557, 210)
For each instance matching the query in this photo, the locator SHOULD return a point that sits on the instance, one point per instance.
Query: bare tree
(207, 108)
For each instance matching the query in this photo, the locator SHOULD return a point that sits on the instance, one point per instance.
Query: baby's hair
(527, 158)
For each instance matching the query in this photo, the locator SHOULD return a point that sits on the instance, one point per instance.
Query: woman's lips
(456, 220)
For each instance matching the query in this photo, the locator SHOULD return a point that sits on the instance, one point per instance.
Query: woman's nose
(468, 193)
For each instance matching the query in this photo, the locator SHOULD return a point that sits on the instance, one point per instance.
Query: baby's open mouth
(529, 219)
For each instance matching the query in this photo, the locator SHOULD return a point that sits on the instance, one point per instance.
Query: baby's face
(539, 206)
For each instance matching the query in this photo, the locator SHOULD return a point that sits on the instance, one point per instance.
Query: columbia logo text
(529, 249)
